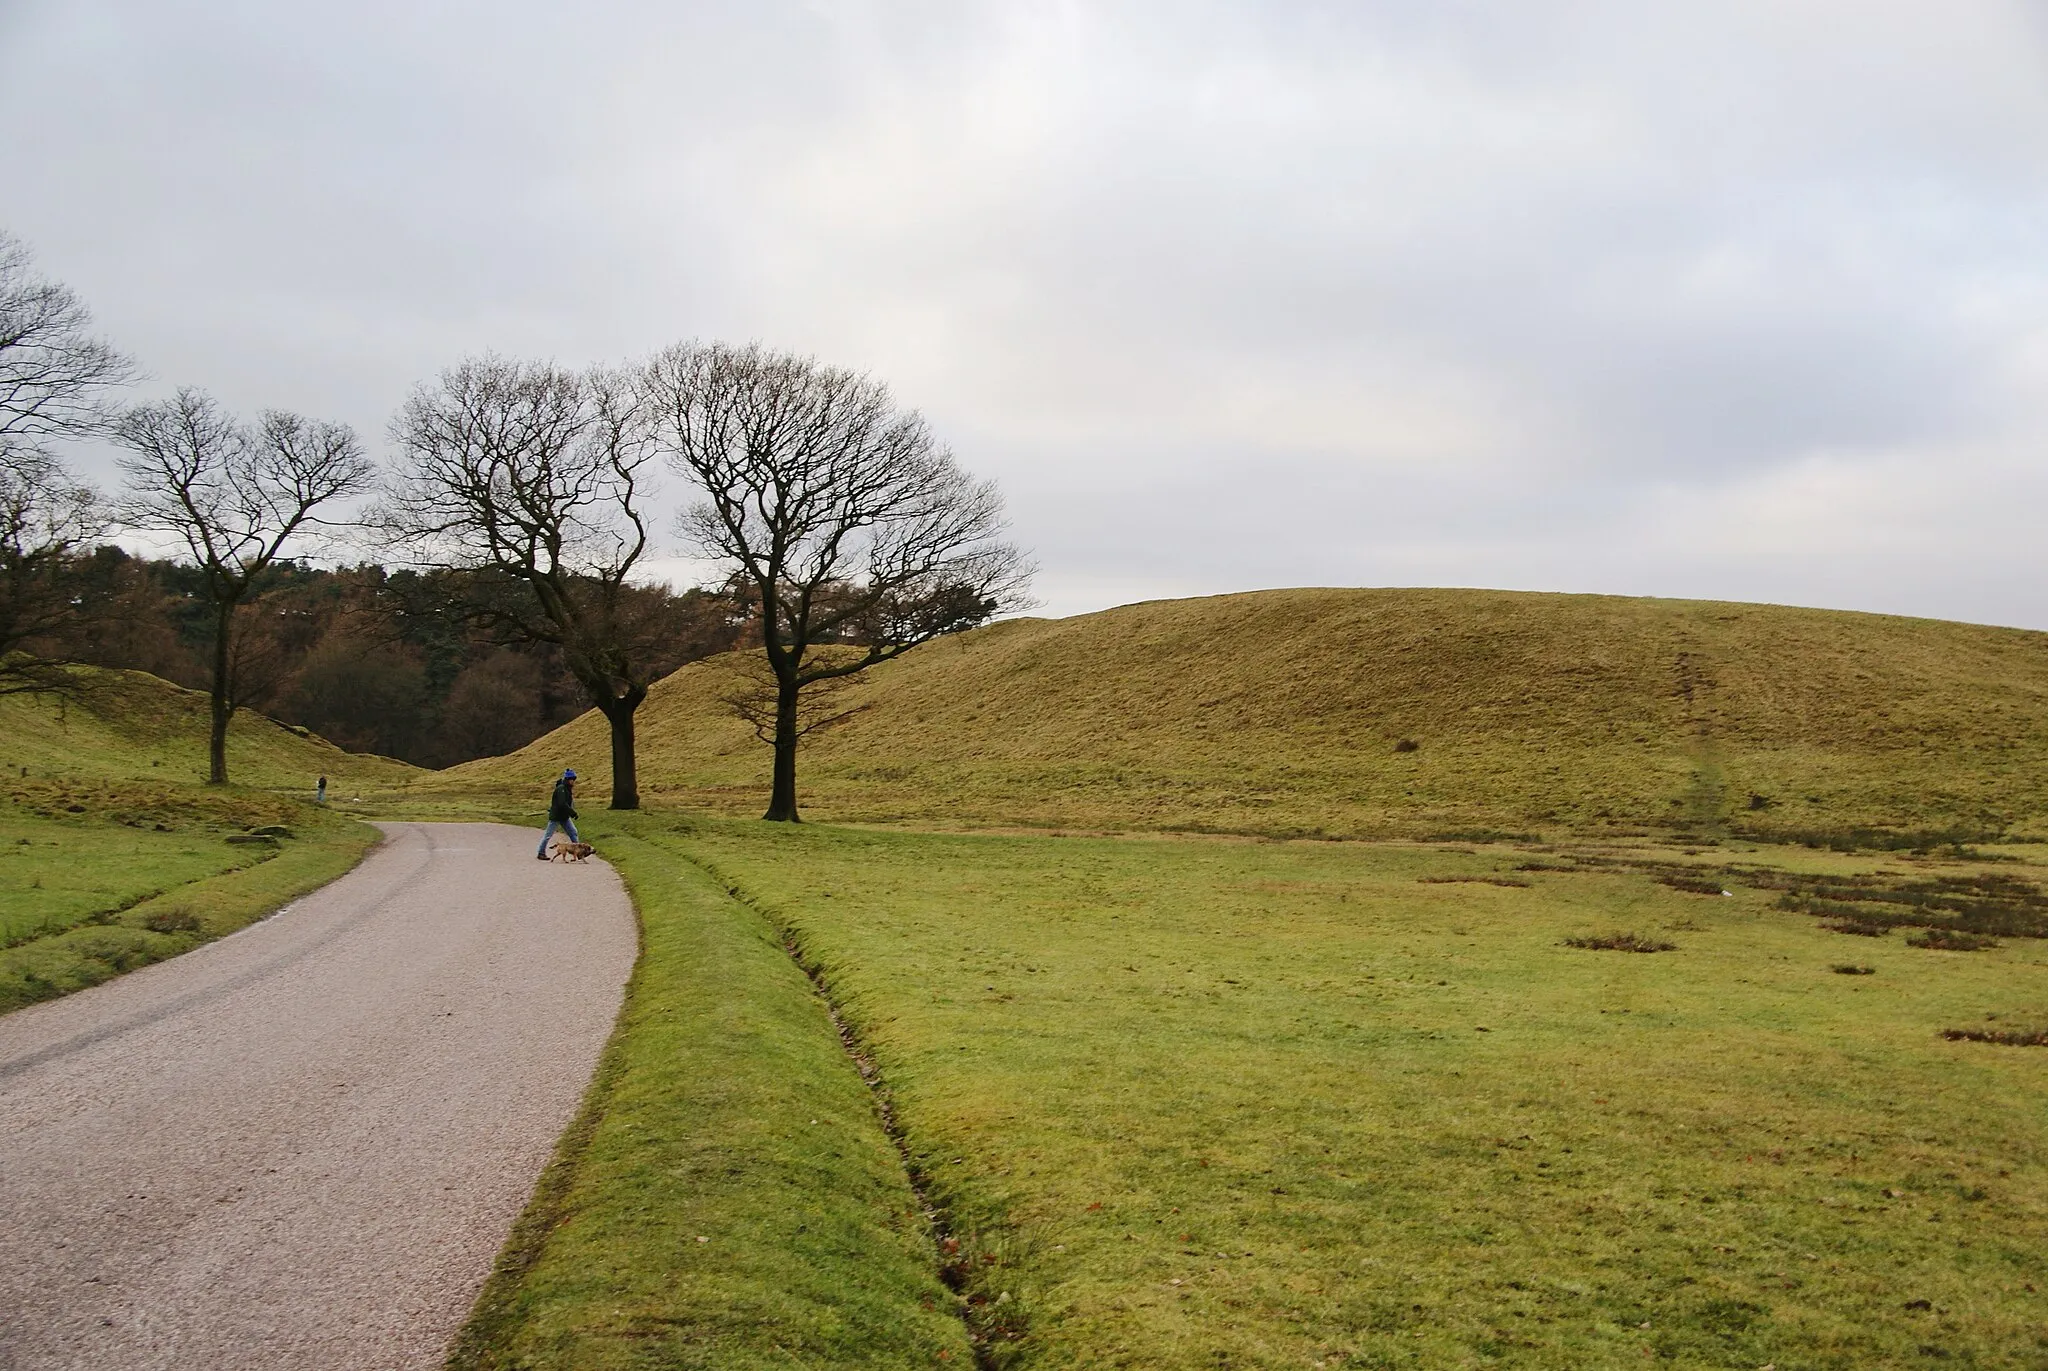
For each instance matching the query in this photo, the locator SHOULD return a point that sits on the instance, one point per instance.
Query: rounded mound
(1294, 712)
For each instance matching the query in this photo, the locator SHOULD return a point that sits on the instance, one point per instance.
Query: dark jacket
(560, 806)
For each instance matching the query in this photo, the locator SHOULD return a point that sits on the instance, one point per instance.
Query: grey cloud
(1329, 292)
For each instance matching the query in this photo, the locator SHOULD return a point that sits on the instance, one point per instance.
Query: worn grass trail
(1223, 1103)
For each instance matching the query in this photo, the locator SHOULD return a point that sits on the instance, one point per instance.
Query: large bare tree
(846, 521)
(239, 499)
(536, 477)
(54, 380)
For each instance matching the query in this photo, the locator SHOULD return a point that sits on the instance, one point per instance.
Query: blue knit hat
(569, 775)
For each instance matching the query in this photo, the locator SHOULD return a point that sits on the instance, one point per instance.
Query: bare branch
(47, 520)
(54, 376)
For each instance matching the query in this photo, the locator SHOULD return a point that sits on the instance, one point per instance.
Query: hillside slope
(131, 725)
(1282, 712)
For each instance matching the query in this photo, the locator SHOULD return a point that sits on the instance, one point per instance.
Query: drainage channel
(954, 1259)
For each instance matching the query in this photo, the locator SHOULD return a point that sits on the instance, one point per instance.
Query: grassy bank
(1210, 1103)
(128, 725)
(114, 854)
(98, 878)
(728, 1198)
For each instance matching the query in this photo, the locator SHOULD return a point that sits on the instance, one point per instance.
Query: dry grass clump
(1691, 885)
(2004, 1037)
(1620, 942)
(1949, 940)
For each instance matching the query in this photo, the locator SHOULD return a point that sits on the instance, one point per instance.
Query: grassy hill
(134, 726)
(1294, 711)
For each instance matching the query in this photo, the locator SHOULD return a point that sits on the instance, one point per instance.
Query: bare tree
(237, 498)
(536, 476)
(54, 378)
(47, 522)
(846, 521)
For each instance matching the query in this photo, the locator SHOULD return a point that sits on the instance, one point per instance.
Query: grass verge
(90, 893)
(727, 1197)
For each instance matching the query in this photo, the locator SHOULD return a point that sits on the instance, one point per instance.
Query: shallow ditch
(989, 1325)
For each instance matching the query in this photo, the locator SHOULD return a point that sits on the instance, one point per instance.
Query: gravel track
(303, 1145)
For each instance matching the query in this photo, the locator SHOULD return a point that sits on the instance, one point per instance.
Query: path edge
(479, 1339)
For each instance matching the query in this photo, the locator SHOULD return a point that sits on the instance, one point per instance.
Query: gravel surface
(303, 1145)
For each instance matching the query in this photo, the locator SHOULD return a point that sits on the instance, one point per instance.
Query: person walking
(561, 813)
(320, 792)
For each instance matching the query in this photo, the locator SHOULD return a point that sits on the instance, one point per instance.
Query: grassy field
(114, 855)
(1201, 1103)
(1281, 713)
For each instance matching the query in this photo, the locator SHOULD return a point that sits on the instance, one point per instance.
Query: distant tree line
(393, 662)
(512, 527)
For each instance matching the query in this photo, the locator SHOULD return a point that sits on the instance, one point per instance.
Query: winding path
(303, 1145)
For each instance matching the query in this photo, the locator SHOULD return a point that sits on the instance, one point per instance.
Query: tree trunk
(782, 797)
(222, 709)
(625, 765)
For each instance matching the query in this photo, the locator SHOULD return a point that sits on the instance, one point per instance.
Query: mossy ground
(1200, 1103)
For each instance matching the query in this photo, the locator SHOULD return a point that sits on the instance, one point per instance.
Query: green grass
(1206, 1103)
(728, 1198)
(98, 878)
(113, 854)
(1280, 713)
(56, 875)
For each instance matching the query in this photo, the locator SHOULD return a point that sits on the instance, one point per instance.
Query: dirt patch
(2004, 1037)
(1508, 881)
(1620, 942)
(1947, 940)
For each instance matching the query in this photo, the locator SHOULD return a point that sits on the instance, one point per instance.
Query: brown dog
(570, 852)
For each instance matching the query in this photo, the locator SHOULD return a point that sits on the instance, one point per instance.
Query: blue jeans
(568, 826)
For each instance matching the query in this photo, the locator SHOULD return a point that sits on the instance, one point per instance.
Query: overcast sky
(1732, 300)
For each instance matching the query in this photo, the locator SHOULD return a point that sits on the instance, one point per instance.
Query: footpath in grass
(728, 1198)
(1202, 1104)
(100, 877)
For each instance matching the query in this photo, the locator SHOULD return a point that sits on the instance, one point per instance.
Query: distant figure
(561, 813)
(320, 792)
